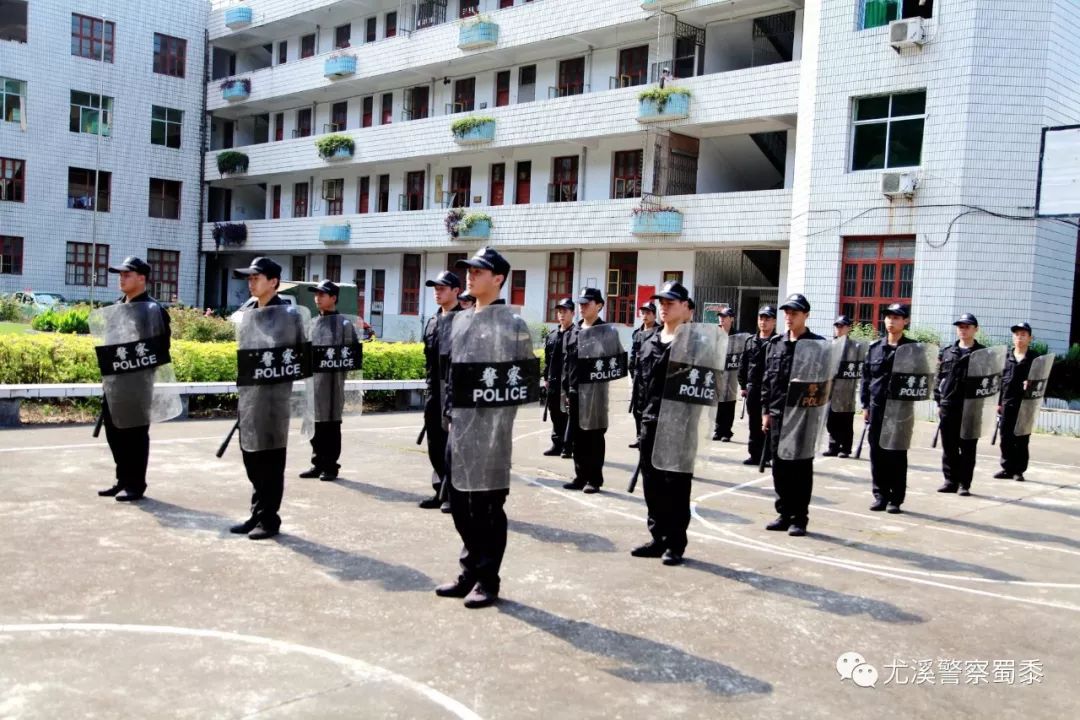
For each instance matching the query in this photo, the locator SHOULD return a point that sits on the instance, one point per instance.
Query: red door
(632, 62)
(279, 126)
(498, 183)
(365, 193)
(572, 77)
(523, 186)
(502, 88)
(414, 184)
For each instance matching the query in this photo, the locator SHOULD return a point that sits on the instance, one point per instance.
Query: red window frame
(622, 287)
(77, 268)
(410, 284)
(342, 36)
(283, 52)
(498, 182)
(387, 108)
(391, 24)
(468, 8)
(363, 199)
(170, 54)
(336, 207)
(339, 116)
(300, 200)
(165, 198)
(461, 186)
(367, 111)
(517, 287)
(332, 270)
(371, 30)
(502, 88)
(165, 280)
(465, 94)
(83, 179)
(414, 190)
(360, 280)
(560, 280)
(303, 122)
(307, 46)
(875, 272)
(626, 167)
(279, 127)
(633, 66)
(571, 76)
(87, 36)
(12, 179)
(503, 4)
(564, 177)
(11, 255)
(275, 203)
(384, 193)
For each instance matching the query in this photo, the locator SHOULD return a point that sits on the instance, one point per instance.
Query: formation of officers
(480, 368)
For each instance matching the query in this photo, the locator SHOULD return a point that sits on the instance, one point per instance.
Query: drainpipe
(581, 173)
(202, 176)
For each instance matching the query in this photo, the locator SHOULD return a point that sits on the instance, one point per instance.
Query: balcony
(474, 35)
(656, 222)
(654, 5)
(234, 90)
(473, 130)
(656, 105)
(336, 234)
(466, 225)
(339, 66)
(237, 17)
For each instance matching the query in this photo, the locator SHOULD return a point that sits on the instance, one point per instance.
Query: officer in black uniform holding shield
(1014, 384)
(554, 361)
(446, 288)
(647, 327)
(840, 424)
(130, 446)
(751, 375)
(589, 443)
(958, 453)
(725, 408)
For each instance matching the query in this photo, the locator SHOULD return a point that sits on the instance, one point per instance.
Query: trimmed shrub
(73, 320)
(194, 324)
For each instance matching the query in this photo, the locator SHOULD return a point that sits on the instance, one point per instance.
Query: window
(506, 4)
(370, 30)
(81, 189)
(367, 110)
(632, 64)
(165, 199)
(877, 272)
(283, 52)
(342, 36)
(307, 46)
(497, 194)
(414, 190)
(78, 270)
(275, 202)
(626, 174)
(468, 8)
(384, 193)
(360, 279)
(339, 116)
(416, 103)
(571, 77)
(882, 12)
(560, 280)
(517, 287)
(622, 287)
(671, 276)
(279, 126)
(523, 182)
(387, 108)
(391, 24)
(410, 285)
(464, 95)
(333, 268)
(169, 55)
(526, 83)
(300, 200)
(888, 131)
(11, 99)
(565, 178)
(12, 177)
(11, 255)
(13, 20)
(460, 186)
(165, 280)
(363, 199)
(92, 38)
(299, 268)
(333, 193)
(451, 262)
(86, 112)
(303, 123)
(165, 125)
(502, 88)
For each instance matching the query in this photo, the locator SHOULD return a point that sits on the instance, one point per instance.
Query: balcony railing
(339, 66)
(430, 13)
(559, 91)
(237, 17)
(562, 192)
(476, 35)
(410, 201)
(626, 80)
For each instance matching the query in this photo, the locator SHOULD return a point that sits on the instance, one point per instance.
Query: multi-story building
(808, 146)
(101, 103)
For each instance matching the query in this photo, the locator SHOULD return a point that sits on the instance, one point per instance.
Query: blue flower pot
(666, 222)
(341, 153)
(676, 107)
(237, 17)
(235, 91)
(479, 134)
(339, 67)
(335, 234)
(479, 230)
(477, 35)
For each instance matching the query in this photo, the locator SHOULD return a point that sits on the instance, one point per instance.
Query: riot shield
(444, 332)
(273, 352)
(688, 405)
(133, 356)
(728, 390)
(601, 360)
(912, 380)
(336, 353)
(1034, 390)
(981, 389)
(492, 371)
(813, 367)
(842, 398)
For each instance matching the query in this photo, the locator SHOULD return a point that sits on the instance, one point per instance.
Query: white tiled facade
(40, 137)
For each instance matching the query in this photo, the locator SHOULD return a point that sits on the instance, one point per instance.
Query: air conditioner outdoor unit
(899, 184)
(906, 33)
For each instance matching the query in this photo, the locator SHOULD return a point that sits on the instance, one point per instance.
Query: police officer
(793, 480)
(648, 325)
(888, 468)
(1014, 448)
(725, 409)
(466, 301)
(131, 446)
(446, 289)
(589, 445)
(554, 362)
(667, 494)
(751, 375)
(840, 425)
(958, 454)
(326, 442)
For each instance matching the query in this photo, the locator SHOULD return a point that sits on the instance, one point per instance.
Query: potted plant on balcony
(230, 234)
(335, 146)
(237, 17)
(473, 129)
(236, 88)
(340, 64)
(656, 220)
(474, 225)
(477, 32)
(231, 162)
(336, 234)
(663, 103)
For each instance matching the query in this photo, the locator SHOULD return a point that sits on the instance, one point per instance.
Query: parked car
(41, 301)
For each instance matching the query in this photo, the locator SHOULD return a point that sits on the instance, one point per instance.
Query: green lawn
(11, 328)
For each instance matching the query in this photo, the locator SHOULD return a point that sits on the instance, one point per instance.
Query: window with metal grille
(622, 287)
(565, 179)
(410, 285)
(339, 116)
(333, 268)
(626, 174)
(11, 255)
(633, 66)
(560, 280)
(77, 270)
(571, 78)
(12, 177)
(303, 123)
(165, 126)
(170, 55)
(92, 38)
(165, 279)
(300, 200)
(877, 271)
(81, 189)
(165, 198)
(88, 111)
(460, 186)
(888, 131)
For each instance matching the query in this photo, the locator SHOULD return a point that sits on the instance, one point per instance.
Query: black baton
(633, 478)
(742, 413)
(765, 452)
(858, 450)
(101, 421)
(997, 426)
(228, 438)
(545, 413)
(420, 437)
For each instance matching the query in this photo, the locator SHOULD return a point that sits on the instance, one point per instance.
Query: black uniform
(131, 446)
(437, 365)
(636, 386)
(589, 445)
(1014, 449)
(725, 419)
(888, 468)
(265, 468)
(667, 494)
(793, 480)
(554, 356)
(326, 442)
(958, 455)
(751, 375)
(841, 429)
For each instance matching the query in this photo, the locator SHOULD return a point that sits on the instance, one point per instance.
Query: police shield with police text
(914, 367)
(728, 385)
(1034, 392)
(842, 397)
(601, 361)
(335, 352)
(812, 370)
(981, 389)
